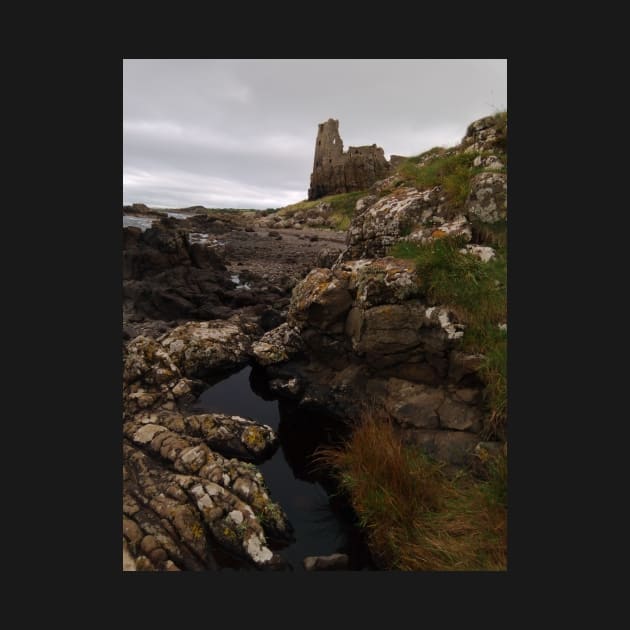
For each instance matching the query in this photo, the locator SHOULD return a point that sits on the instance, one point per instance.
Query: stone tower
(337, 172)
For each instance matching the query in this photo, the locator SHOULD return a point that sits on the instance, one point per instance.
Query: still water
(323, 525)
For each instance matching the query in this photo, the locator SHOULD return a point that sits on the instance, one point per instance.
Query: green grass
(342, 208)
(416, 517)
(434, 151)
(452, 172)
(477, 293)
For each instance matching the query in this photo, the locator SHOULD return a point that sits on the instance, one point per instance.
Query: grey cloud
(242, 133)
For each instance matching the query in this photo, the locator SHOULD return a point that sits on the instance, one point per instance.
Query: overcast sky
(241, 133)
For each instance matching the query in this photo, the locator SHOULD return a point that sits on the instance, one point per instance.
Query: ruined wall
(336, 171)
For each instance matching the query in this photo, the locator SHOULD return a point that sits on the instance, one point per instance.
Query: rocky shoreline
(190, 484)
(332, 321)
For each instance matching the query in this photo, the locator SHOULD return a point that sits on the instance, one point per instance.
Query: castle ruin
(336, 171)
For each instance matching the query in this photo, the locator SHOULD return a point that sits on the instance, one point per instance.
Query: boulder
(413, 405)
(229, 435)
(334, 562)
(487, 134)
(277, 345)
(479, 251)
(487, 200)
(200, 348)
(321, 300)
(375, 228)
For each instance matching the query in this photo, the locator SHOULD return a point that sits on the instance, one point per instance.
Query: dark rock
(454, 447)
(413, 405)
(363, 333)
(334, 562)
(165, 277)
(459, 416)
(270, 318)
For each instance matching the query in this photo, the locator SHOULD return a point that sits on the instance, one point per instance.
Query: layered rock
(151, 380)
(190, 505)
(184, 493)
(369, 335)
(241, 437)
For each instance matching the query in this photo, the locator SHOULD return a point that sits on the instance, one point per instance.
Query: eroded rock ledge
(186, 488)
(364, 333)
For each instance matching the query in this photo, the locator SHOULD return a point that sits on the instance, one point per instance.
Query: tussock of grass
(452, 172)
(417, 518)
(477, 293)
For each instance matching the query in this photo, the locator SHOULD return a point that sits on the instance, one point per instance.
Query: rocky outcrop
(365, 332)
(317, 216)
(166, 277)
(184, 493)
(151, 380)
(277, 345)
(405, 214)
(486, 134)
(336, 171)
(200, 348)
(240, 437)
(175, 512)
(487, 200)
(395, 210)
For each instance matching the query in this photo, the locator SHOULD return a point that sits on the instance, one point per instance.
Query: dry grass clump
(418, 518)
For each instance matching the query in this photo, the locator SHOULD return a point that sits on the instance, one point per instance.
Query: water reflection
(322, 524)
